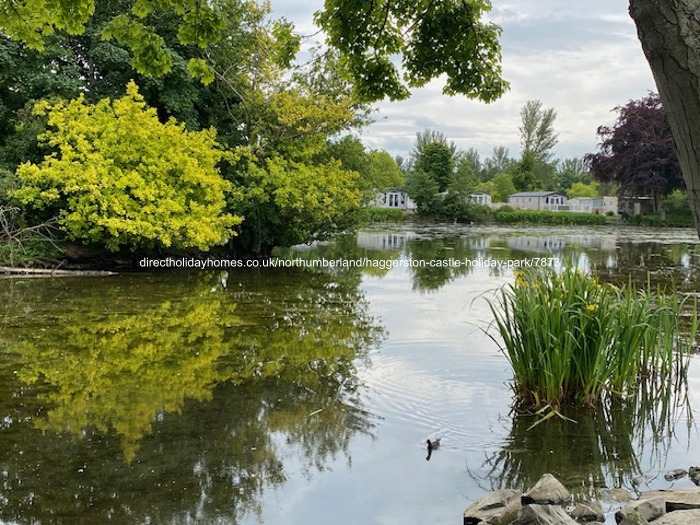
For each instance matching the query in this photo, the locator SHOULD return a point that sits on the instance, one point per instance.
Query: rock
(680, 517)
(694, 473)
(675, 474)
(617, 495)
(648, 509)
(587, 512)
(634, 519)
(543, 515)
(492, 507)
(547, 491)
(676, 499)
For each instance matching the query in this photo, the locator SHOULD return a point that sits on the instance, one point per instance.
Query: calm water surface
(305, 396)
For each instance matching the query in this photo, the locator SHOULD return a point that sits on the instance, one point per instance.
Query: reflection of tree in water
(598, 449)
(203, 397)
(661, 264)
(377, 259)
(427, 278)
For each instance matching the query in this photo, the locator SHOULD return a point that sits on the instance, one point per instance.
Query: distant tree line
(636, 158)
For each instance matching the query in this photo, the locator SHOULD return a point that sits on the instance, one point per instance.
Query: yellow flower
(591, 307)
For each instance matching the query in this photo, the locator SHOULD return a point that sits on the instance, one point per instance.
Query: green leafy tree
(468, 169)
(73, 64)
(287, 202)
(581, 189)
(503, 187)
(351, 153)
(537, 134)
(471, 159)
(429, 136)
(499, 162)
(435, 156)
(570, 171)
(423, 189)
(384, 172)
(523, 173)
(199, 24)
(488, 187)
(463, 181)
(437, 161)
(535, 169)
(433, 38)
(377, 169)
(119, 177)
(278, 118)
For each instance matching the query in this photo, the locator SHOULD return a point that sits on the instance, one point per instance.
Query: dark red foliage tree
(638, 152)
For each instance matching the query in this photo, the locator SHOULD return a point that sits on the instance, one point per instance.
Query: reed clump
(574, 341)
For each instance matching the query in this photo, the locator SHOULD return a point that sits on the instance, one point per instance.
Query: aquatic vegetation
(574, 341)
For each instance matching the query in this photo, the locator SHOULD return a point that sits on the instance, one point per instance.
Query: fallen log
(51, 272)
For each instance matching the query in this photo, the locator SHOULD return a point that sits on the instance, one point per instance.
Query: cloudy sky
(580, 58)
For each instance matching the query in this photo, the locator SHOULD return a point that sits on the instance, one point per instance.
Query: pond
(305, 395)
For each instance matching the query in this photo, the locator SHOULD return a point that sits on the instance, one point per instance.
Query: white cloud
(581, 58)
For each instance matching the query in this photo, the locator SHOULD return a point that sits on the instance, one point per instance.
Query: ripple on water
(441, 393)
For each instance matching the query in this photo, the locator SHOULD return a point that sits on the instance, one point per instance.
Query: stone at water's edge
(547, 491)
(675, 474)
(588, 512)
(648, 509)
(676, 499)
(694, 474)
(618, 495)
(543, 515)
(634, 519)
(492, 506)
(679, 517)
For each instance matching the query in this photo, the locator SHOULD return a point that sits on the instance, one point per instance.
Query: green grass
(573, 341)
(558, 218)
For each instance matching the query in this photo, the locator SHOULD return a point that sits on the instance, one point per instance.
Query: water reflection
(201, 398)
(174, 399)
(615, 254)
(616, 446)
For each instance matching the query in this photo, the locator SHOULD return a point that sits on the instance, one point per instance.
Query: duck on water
(432, 445)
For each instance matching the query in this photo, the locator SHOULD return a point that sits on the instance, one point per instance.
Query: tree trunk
(669, 31)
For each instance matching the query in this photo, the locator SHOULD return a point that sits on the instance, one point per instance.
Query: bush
(122, 178)
(653, 220)
(504, 216)
(374, 214)
(574, 341)
(456, 208)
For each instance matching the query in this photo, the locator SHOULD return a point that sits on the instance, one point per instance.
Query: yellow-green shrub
(120, 177)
